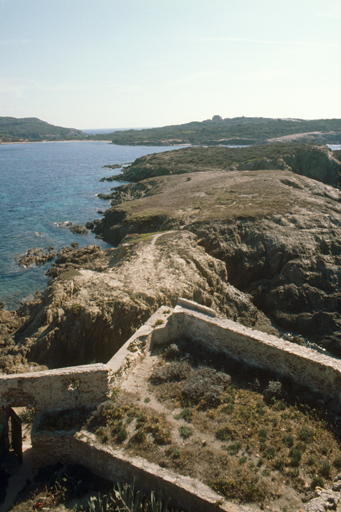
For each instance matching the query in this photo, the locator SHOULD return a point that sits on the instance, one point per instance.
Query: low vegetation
(238, 429)
(239, 130)
(249, 436)
(79, 490)
(32, 129)
(305, 159)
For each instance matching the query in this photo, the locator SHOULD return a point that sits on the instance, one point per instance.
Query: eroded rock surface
(262, 247)
(278, 233)
(326, 499)
(88, 312)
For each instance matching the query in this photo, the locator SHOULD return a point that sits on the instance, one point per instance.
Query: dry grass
(249, 437)
(239, 430)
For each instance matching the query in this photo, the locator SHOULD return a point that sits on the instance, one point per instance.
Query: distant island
(30, 129)
(217, 131)
(236, 131)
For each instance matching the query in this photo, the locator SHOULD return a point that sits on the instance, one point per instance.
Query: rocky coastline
(258, 240)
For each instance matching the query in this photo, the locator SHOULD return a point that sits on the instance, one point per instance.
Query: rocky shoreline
(258, 240)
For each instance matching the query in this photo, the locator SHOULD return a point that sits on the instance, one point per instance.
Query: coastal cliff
(259, 245)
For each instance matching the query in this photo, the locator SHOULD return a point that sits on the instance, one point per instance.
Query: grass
(75, 488)
(113, 423)
(242, 442)
(267, 435)
(185, 432)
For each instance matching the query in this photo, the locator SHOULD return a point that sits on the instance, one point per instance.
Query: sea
(42, 187)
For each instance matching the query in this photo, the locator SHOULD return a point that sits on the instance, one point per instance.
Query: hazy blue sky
(139, 63)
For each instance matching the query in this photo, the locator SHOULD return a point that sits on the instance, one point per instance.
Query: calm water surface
(44, 184)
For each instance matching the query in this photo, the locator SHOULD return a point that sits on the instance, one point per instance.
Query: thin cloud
(261, 41)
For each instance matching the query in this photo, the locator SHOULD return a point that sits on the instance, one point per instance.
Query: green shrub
(206, 386)
(243, 489)
(172, 352)
(337, 463)
(185, 432)
(224, 434)
(162, 435)
(263, 434)
(269, 452)
(325, 469)
(120, 432)
(317, 481)
(306, 435)
(139, 437)
(296, 456)
(288, 440)
(279, 464)
(173, 452)
(311, 461)
(233, 448)
(159, 321)
(171, 372)
(186, 415)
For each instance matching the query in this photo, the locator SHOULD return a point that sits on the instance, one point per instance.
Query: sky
(140, 63)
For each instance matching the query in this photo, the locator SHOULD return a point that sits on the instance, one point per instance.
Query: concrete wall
(64, 388)
(115, 465)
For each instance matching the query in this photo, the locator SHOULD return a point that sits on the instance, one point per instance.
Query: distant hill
(239, 130)
(32, 129)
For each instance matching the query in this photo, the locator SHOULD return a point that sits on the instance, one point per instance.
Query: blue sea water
(41, 185)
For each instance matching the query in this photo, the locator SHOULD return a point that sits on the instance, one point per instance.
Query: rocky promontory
(257, 239)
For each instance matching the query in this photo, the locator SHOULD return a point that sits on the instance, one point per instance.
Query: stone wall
(64, 388)
(308, 367)
(114, 465)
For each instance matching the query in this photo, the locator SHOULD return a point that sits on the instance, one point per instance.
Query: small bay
(42, 185)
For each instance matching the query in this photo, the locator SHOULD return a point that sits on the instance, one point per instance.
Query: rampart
(79, 386)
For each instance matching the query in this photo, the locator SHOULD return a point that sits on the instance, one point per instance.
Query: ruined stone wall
(308, 367)
(64, 388)
(139, 344)
(114, 465)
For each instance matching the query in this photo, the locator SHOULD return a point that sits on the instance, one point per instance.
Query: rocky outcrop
(35, 256)
(278, 233)
(326, 499)
(261, 247)
(88, 312)
(317, 162)
(292, 272)
(12, 356)
(78, 229)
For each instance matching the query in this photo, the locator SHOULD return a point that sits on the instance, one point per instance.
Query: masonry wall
(308, 367)
(64, 388)
(115, 465)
